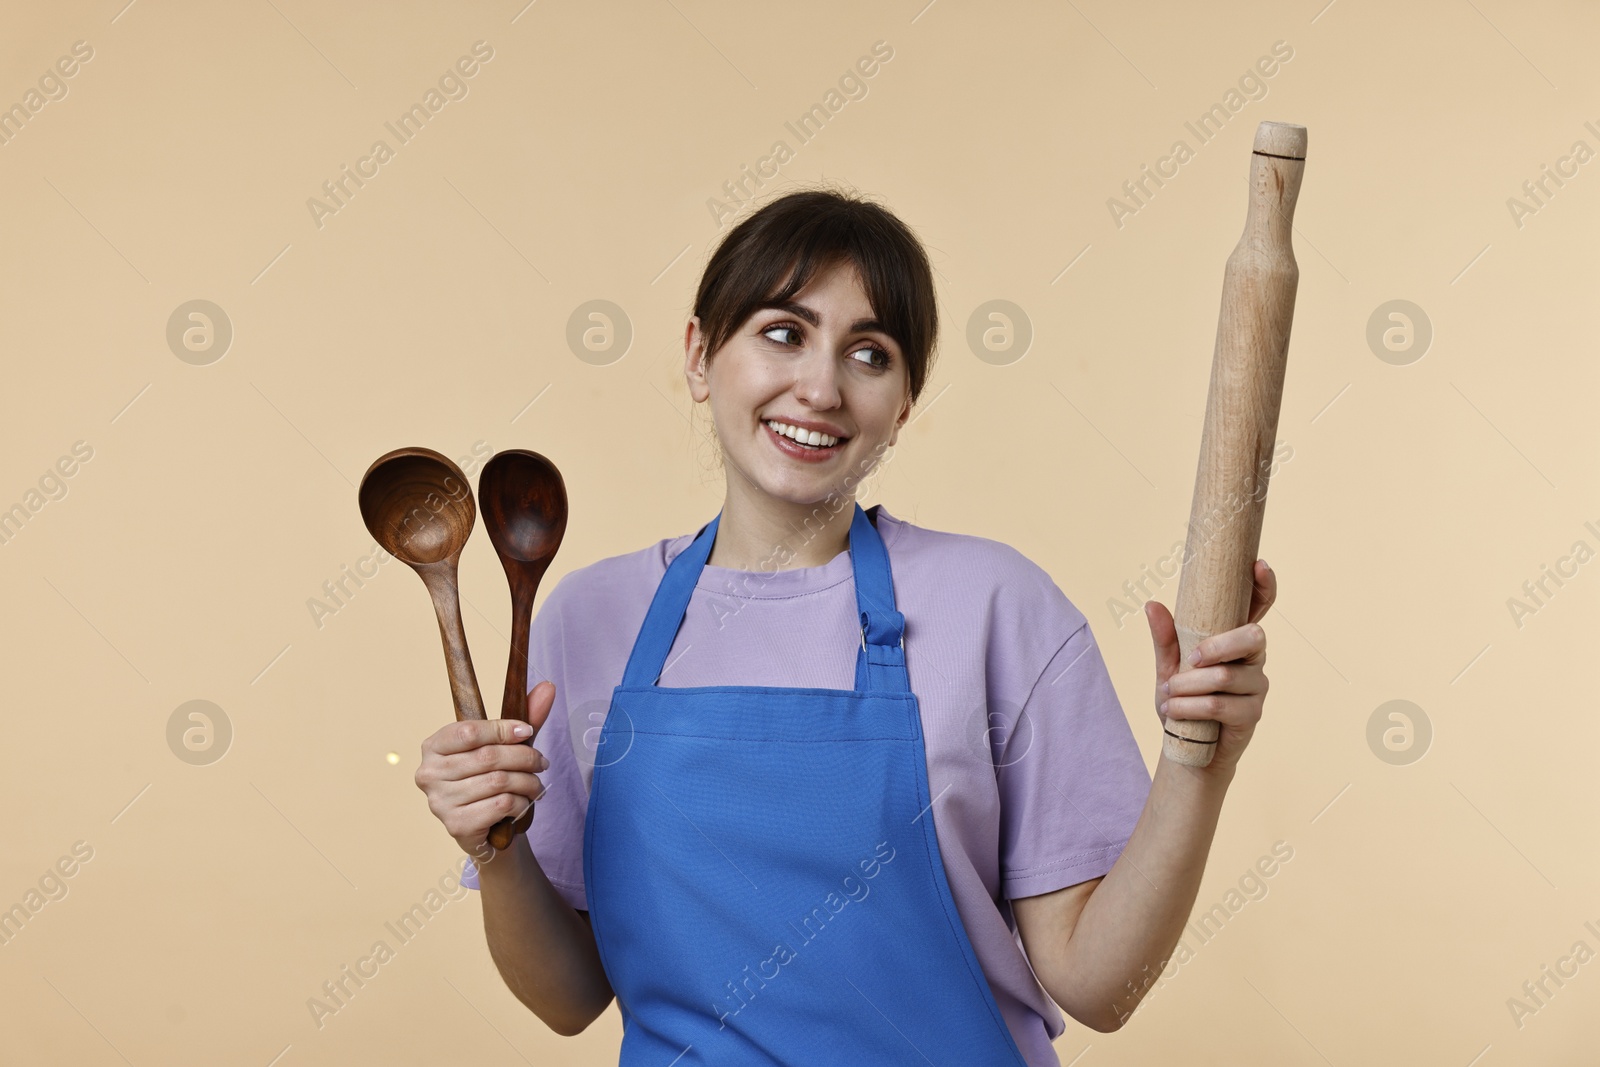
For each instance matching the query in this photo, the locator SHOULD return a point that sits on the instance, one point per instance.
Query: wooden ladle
(524, 504)
(418, 505)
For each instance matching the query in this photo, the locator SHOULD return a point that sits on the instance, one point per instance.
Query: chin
(802, 496)
(801, 491)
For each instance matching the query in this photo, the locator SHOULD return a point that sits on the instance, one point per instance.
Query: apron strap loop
(883, 628)
(881, 663)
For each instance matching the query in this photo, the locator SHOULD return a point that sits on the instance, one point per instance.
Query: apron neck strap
(881, 658)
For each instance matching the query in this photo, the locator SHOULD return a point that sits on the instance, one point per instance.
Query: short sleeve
(556, 834)
(1072, 779)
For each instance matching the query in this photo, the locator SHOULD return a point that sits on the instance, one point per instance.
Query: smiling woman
(801, 675)
(812, 337)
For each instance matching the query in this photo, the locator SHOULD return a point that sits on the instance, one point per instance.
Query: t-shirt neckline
(765, 585)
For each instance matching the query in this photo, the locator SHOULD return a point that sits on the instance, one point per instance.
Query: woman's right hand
(477, 772)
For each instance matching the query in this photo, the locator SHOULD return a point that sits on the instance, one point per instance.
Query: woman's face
(819, 364)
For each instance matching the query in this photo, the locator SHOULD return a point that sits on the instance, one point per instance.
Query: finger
(1247, 642)
(1238, 711)
(482, 786)
(540, 700)
(1263, 592)
(475, 819)
(1244, 679)
(487, 760)
(1164, 637)
(475, 733)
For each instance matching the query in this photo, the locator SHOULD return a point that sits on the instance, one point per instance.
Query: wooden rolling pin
(1247, 367)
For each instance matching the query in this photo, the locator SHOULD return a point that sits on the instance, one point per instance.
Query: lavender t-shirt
(1036, 778)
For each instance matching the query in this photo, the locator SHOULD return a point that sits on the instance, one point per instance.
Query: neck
(774, 535)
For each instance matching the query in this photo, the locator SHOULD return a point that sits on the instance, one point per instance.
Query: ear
(694, 368)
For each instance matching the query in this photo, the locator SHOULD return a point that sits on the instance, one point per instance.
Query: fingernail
(521, 729)
(1165, 688)
(1194, 657)
(1163, 707)
(1264, 563)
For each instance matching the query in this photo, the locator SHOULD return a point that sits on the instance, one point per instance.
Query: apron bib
(763, 876)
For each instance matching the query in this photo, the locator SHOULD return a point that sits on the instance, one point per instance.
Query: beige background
(433, 307)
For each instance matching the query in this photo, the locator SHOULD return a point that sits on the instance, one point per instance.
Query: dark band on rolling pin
(1274, 155)
(1191, 740)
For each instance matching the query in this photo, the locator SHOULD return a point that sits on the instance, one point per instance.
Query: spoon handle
(514, 704)
(440, 578)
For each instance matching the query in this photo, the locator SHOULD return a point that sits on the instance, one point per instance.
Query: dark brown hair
(774, 253)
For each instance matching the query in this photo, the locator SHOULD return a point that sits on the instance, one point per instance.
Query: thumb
(540, 700)
(504, 732)
(1164, 636)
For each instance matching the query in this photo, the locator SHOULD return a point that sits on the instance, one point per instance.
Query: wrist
(495, 865)
(1208, 782)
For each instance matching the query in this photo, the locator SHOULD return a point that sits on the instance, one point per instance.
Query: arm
(544, 949)
(475, 773)
(1097, 946)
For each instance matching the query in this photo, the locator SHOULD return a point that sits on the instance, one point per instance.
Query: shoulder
(969, 570)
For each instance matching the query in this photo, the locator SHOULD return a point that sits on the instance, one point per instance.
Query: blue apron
(762, 872)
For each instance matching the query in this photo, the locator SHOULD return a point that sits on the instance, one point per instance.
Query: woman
(851, 761)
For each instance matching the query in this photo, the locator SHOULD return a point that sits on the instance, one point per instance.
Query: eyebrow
(858, 326)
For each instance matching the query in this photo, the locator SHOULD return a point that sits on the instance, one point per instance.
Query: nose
(816, 380)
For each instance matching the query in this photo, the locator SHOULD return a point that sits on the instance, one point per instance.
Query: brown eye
(884, 361)
(784, 326)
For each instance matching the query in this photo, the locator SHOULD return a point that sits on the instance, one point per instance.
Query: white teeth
(815, 438)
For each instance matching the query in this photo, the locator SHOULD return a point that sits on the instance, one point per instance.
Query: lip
(801, 452)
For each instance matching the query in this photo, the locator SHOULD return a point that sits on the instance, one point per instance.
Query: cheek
(736, 400)
(740, 389)
(878, 410)
(736, 368)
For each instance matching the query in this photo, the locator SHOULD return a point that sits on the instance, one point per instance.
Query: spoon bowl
(524, 506)
(418, 505)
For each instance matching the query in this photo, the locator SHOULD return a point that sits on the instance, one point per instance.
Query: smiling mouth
(815, 440)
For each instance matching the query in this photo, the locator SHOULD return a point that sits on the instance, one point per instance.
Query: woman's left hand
(1227, 684)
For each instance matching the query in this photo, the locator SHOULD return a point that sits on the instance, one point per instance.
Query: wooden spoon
(524, 505)
(418, 505)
